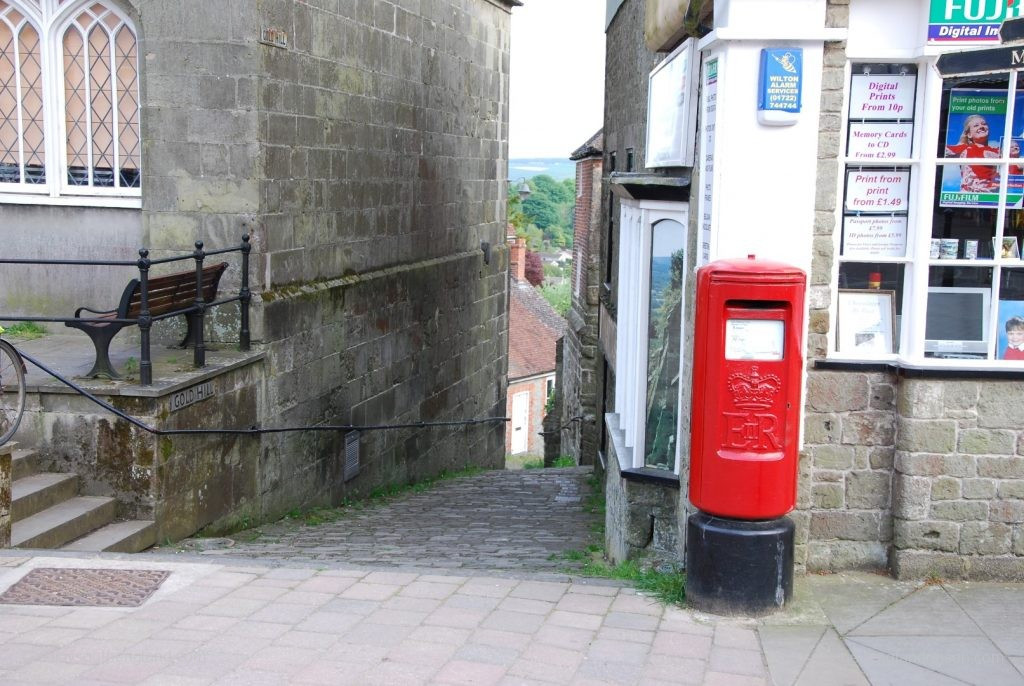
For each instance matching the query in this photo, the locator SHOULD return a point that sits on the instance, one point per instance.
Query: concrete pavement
(253, 623)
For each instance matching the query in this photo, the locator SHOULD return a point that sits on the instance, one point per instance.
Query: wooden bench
(167, 294)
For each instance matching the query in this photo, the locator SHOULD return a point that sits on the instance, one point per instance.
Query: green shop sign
(970, 21)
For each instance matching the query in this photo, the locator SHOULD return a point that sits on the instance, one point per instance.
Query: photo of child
(1010, 345)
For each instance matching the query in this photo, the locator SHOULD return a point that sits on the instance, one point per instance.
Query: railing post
(197, 318)
(245, 296)
(145, 323)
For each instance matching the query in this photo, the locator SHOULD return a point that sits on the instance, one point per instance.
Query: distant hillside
(556, 168)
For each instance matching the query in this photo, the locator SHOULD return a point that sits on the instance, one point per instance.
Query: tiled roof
(594, 146)
(533, 330)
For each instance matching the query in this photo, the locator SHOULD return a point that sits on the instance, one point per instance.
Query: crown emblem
(753, 391)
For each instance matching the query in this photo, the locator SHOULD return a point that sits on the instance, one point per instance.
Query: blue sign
(781, 82)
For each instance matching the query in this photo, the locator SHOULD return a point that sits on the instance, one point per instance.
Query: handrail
(196, 312)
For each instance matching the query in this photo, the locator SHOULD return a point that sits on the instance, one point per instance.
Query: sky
(556, 91)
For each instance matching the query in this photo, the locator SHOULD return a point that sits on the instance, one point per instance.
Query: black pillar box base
(737, 567)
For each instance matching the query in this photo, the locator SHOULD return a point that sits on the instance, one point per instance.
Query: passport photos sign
(970, 21)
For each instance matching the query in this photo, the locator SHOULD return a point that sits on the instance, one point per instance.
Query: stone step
(24, 462)
(57, 525)
(120, 537)
(35, 493)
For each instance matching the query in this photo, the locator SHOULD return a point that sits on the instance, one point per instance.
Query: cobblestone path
(510, 521)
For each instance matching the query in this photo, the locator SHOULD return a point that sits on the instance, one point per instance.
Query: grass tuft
(26, 330)
(668, 587)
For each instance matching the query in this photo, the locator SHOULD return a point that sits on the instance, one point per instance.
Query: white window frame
(636, 221)
(923, 165)
(51, 19)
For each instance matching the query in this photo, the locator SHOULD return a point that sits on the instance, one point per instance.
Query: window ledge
(648, 475)
(920, 371)
(131, 203)
(624, 457)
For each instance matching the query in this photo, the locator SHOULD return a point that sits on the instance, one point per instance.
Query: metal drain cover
(91, 587)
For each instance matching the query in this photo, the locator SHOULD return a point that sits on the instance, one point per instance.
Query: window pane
(32, 106)
(128, 140)
(10, 160)
(75, 108)
(664, 328)
(102, 101)
(1010, 328)
(967, 232)
(21, 101)
(101, 104)
(958, 311)
(885, 277)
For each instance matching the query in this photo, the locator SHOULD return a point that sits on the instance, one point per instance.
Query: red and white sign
(874, 190)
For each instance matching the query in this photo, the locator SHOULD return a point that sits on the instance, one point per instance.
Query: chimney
(517, 259)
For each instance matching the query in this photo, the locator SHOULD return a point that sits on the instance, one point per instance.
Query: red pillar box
(747, 362)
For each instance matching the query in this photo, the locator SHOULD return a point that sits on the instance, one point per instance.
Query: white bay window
(931, 221)
(651, 279)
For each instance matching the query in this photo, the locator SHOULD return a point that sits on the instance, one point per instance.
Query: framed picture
(1009, 249)
(866, 322)
(1010, 343)
(672, 109)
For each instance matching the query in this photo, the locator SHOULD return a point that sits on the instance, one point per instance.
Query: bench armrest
(78, 312)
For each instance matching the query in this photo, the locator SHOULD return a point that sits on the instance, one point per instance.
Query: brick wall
(581, 381)
(537, 388)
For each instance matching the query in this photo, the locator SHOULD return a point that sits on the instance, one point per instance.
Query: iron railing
(145, 320)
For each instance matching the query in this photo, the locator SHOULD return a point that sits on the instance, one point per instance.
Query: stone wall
(641, 519)
(368, 159)
(581, 380)
(626, 69)
(844, 503)
(959, 479)
(383, 131)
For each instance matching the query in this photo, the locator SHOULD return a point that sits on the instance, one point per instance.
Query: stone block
(882, 457)
(920, 399)
(1018, 540)
(916, 564)
(923, 464)
(1009, 511)
(959, 510)
(1001, 467)
(1001, 405)
(834, 556)
(869, 428)
(995, 569)
(1011, 490)
(985, 538)
(926, 436)
(987, 442)
(837, 391)
(849, 526)
(827, 496)
(911, 496)
(883, 396)
(946, 488)
(868, 490)
(978, 489)
(927, 535)
(832, 456)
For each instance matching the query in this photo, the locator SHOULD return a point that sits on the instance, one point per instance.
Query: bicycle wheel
(12, 391)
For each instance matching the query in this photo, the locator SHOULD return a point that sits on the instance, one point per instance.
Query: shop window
(69, 102)
(649, 326)
(930, 266)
